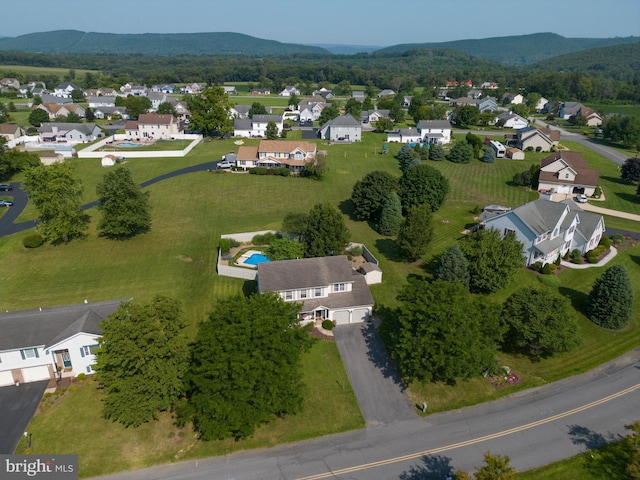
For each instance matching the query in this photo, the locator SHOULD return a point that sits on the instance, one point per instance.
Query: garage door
(360, 314)
(341, 317)
(6, 378)
(34, 374)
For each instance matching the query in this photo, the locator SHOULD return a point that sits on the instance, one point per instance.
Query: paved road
(20, 199)
(533, 427)
(374, 380)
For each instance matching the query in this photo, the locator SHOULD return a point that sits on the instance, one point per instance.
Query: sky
(339, 22)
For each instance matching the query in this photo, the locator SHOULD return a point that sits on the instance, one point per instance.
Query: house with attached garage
(567, 173)
(344, 128)
(435, 131)
(56, 110)
(64, 89)
(405, 135)
(311, 111)
(50, 343)
(372, 116)
(293, 155)
(96, 101)
(538, 139)
(256, 126)
(289, 90)
(511, 120)
(328, 288)
(71, 133)
(111, 113)
(547, 229)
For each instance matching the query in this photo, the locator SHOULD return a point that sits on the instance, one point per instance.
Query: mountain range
(513, 50)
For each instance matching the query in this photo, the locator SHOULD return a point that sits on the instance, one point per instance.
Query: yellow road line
(472, 441)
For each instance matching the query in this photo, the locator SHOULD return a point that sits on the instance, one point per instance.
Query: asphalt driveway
(374, 380)
(17, 406)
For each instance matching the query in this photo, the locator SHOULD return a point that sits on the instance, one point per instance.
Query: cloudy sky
(350, 22)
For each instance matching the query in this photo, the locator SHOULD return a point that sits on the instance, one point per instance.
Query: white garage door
(6, 378)
(360, 315)
(34, 374)
(341, 317)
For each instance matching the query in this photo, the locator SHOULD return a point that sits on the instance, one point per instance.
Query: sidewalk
(588, 207)
(580, 266)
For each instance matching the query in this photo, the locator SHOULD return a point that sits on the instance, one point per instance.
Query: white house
(289, 90)
(511, 120)
(567, 173)
(101, 101)
(49, 343)
(405, 135)
(548, 229)
(344, 128)
(327, 287)
(64, 89)
(152, 126)
(435, 131)
(71, 133)
(256, 126)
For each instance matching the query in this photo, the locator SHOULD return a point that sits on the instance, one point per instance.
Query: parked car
(582, 198)
(5, 203)
(5, 188)
(224, 164)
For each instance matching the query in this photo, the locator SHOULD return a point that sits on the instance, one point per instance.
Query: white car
(224, 164)
(582, 198)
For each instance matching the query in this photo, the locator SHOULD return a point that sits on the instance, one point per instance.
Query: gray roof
(242, 124)
(442, 124)
(540, 215)
(267, 118)
(49, 98)
(32, 328)
(303, 273)
(84, 128)
(588, 221)
(343, 121)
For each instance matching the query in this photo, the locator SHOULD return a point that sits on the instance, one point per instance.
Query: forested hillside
(156, 44)
(518, 50)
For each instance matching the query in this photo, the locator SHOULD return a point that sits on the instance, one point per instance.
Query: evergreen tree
(406, 155)
(272, 131)
(246, 367)
(326, 233)
(437, 153)
(461, 152)
(124, 206)
(610, 302)
(416, 232)
(142, 359)
(452, 267)
(489, 155)
(390, 216)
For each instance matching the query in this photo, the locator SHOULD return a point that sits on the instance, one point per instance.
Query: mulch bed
(499, 381)
(318, 334)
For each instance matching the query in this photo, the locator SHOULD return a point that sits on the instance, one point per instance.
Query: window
(317, 292)
(303, 293)
(339, 287)
(29, 353)
(508, 231)
(88, 350)
(288, 295)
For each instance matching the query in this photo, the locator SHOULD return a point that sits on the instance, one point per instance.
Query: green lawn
(178, 257)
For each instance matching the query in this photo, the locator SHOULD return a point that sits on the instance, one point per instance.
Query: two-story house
(344, 128)
(327, 287)
(547, 229)
(50, 343)
(256, 126)
(539, 139)
(435, 131)
(152, 126)
(277, 153)
(64, 89)
(567, 173)
(289, 90)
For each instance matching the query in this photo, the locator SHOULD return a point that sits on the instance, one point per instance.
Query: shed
(108, 161)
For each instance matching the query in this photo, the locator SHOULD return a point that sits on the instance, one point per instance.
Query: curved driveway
(533, 427)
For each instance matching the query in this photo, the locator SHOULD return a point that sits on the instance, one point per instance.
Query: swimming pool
(255, 259)
(129, 144)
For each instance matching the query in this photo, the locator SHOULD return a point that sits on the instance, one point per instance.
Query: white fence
(91, 151)
(239, 272)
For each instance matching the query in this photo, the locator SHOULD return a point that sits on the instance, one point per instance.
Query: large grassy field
(177, 258)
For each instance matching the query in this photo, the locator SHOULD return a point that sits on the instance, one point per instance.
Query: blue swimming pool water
(129, 144)
(256, 258)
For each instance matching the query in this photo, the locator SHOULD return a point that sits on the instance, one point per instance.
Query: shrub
(233, 242)
(225, 246)
(591, 257)
(548, 269)
(606, 242)
(477, 210)
(47, 394)
(81, 377)
(282, 171)
(264, 238)
(617, 238)
(576, 256)
(32, 241)
(327, 324)
(270, 171)
(258, 171)
(558, 261)
(537, 266)
(355, 251)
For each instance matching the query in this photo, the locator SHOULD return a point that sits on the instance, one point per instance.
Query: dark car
(5, 188)
(5, 203)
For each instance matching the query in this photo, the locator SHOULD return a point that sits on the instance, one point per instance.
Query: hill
(620, 62)
(521, 49)
(153, 44)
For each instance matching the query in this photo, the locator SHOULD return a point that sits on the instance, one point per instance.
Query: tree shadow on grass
(249, 287)
(629, 197)
(635, 259)
(588, 438)
(578, 299)
(389, 248)
(436, 467)
(347, 207)
(616, 180)
(377, 353)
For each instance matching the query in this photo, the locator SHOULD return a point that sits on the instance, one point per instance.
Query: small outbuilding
(108, 161)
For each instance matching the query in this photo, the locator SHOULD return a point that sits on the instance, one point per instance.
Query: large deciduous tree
(55, 191)
(442, 333)
(142, 360)
(38, 116)
(246, 366)
(610, 302)
(124, 206)
(285, 248)
(493, 261)
(13, 161)
(630, 170)
(540, 323)
(210, 112)
(136, 105)
(466, 116)
(622, 128)
(325, 234)
(370, 193)
(496, 467)
(452, 266)
(416, 232)
(422, 184)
